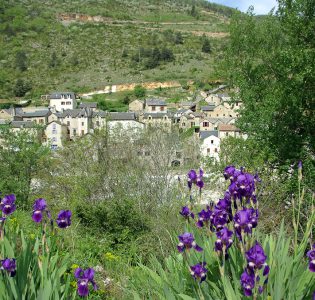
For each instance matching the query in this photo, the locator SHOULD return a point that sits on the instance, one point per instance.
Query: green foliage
(22, 156)
(206, 48)
(22, 87)
(271, 63)
(40, 274)
(139, 91)
(21, 61)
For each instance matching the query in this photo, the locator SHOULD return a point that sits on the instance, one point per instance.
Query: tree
(22, 156)
(21, 60)
(193, 11)
(53, 60)
(139, 91)
(271, 63)
(206, 48)
(178, 39)
(21, 87)
(167, 54)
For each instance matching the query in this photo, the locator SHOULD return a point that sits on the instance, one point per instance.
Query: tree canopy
(271, 64)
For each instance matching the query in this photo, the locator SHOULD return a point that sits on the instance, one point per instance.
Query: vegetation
(61, 55)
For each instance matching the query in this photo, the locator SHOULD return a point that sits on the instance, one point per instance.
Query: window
(68, 102)
(147, 153)
(68, 123)
(223, 115)
(236, 103)
(208, 150)
(63, 103)
(211, 141)
(217, 115)
(82, 123)
(205, 124)
(153, 108)
(54, 147)
(97, 123)
(54, 139)
(82, 132)
(183, 124)
(162, 108)
(74, 132)
(226, 133)
(192, 124)
(41, 121)
(215, 150)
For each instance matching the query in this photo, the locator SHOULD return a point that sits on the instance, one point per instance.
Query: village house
(155, 106)
(62, 101)
(125, 121)
(161, 120)
(99, 119)
(207, 110)
(136, 106)
(40, 117)
(11, 114)
(78, 121)
(90, 105)
(188, 105)
(210, 144)
(226, 130)
(55, 134)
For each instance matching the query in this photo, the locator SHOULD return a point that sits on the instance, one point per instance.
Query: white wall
(210, 147)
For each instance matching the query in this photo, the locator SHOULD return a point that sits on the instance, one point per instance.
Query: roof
(197, 114)
(154, 102)
(205, 134)
(207, 108)
(228, 127)
(59, 95)
(225, 95)
(38, 113)
(101, 113)
(84, 112)
(157, 115)
(88, 104)
(121, 116)
(22, 124)
(17, 110)
(55, 121)
(212, 120)
(190, 104)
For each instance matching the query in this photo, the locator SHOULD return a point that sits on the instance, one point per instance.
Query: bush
(139, 91)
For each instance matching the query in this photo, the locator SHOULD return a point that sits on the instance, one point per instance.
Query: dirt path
(130, 87)
(67, 18)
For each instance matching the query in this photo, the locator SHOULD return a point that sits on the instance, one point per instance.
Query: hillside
(85, 45)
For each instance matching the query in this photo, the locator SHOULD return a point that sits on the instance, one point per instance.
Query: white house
(210, 144)
(62, 100)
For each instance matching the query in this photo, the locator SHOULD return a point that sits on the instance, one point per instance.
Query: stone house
(62, 101)
(226, 130)
(40, 117)
(161, 120)
(155, 106)
(136, 106)
(90, 105)
(207, 110)
(210, 144)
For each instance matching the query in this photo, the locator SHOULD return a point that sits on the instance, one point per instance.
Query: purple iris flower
(248, 283)
(219, 218)
(7, 205)
(39, 207)
(64, 219)
(186, 213)
(224, 239)
(196, 179)
(199, 272)
(256, 259)
(229, 172)
(84, 277)
(9, 265)
(245, 220)
(204, 217)
(311, 257)
(186, 242)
